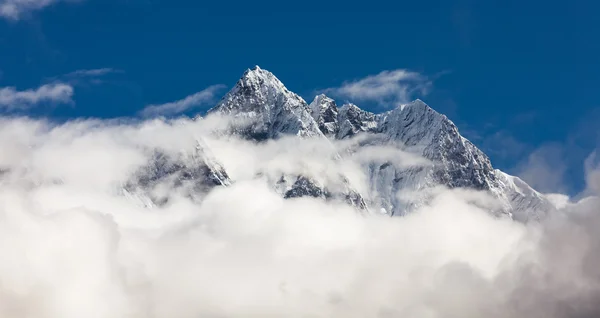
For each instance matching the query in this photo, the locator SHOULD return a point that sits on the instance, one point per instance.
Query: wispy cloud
(15, 9)
(56, 93)
(198, 99)
(86, 76)
(388, 88)
(93, 72)
(545, 168)
(503, 145)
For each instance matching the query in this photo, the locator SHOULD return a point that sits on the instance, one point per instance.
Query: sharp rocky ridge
(269, 111)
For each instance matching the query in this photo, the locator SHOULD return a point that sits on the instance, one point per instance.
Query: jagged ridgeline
(272, 111)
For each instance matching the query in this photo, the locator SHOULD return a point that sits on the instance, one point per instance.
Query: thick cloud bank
(72, 245)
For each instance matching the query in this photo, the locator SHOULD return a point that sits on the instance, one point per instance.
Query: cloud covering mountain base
(73, 245)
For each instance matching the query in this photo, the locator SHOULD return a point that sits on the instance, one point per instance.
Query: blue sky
(519, 78)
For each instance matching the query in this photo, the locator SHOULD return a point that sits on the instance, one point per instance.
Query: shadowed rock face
(304, 187)
(194, 175)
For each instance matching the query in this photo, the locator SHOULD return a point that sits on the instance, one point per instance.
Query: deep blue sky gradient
(514, 75)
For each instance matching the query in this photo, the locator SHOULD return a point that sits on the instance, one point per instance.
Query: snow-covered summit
(268, 106)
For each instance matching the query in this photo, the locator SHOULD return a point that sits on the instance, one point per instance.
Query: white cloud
(15, 9)
(388, 88)
(592, 169)
(545, 168)
(201, 98)
(56, 93)
(72, 246)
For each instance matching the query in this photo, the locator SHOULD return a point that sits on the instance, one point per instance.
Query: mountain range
(269, 111)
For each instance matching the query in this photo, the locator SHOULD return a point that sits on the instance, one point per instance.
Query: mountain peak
(322, 96)
(256, 77)
(322, 99)
(261, 98)
(350, 106)
(256, 70)
(325, 112)
(417, 103)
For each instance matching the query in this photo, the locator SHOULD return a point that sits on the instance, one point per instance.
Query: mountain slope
(414, 127)
(457, 163)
